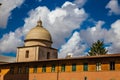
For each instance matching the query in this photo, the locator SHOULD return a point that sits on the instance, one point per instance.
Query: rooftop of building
(62, 59)
(7, 59)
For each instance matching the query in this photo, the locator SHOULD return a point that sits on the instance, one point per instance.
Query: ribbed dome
(38, 33)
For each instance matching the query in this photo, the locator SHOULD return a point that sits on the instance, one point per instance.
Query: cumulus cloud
(73, 46)
(115, 37)
(60, 22)
(114, 7)
(11, 41)
(6, 8)
(80, 3)
(92, 34)
(64, 25)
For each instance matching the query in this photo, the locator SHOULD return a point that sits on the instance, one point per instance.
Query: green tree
(97, 48)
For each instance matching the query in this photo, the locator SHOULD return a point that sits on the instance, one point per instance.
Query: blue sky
(73, 24)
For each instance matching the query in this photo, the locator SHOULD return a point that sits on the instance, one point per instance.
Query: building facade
(37, 60)
(106, 67)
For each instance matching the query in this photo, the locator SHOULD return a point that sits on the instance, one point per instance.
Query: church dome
(38, 36)
(38, 33)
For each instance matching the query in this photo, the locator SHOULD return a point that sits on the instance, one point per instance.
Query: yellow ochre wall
(5, 68)
(68, 66)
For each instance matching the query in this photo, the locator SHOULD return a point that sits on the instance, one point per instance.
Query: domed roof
(38, 33)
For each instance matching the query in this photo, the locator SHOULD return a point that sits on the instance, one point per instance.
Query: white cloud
(73, 46)
(54, 15)
(80, 3)
(116, 27)
(115, 37)
(94, 33)
(114, 7)
(60, 22)
(70, 20)
(6, 8)
(11, 41)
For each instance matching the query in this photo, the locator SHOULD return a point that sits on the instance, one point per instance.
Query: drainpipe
(58, 71)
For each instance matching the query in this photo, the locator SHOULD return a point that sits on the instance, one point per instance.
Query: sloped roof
(7, 59)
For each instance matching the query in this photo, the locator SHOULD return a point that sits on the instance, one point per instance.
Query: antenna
(69, 55)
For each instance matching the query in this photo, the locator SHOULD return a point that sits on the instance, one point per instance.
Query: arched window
(48, 55)
(27, 54)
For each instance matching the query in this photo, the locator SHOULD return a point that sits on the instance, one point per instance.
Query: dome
(38, 33)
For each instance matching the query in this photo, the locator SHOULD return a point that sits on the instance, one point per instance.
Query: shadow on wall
(15, 72)
(27, 71)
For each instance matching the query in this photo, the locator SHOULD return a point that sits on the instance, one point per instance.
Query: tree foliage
(97, 48)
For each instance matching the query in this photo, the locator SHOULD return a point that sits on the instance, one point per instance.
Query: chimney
(69, 55)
